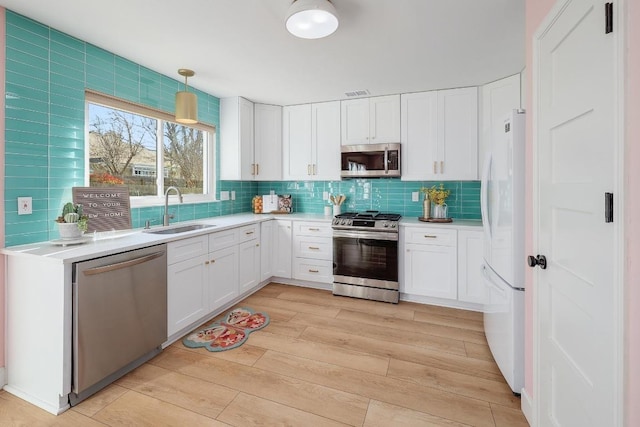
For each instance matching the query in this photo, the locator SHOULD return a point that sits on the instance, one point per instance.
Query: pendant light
(186, 102)
(312, 19)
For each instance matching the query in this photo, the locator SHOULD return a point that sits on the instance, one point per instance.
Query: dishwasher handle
(123, 264)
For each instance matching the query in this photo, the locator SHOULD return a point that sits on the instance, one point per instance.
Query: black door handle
(540, 260)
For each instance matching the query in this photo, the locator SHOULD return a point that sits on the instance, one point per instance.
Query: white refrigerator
(502, 204)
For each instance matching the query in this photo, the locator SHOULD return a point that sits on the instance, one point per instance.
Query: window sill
(149, 201)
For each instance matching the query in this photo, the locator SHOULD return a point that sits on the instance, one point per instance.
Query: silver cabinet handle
(123, 264)
(314, 229)
(313, 248)
(429, 236)
(313, 271)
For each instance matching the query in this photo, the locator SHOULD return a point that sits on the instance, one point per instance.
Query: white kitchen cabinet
(374, 120)
(282, 244)
(311, 141)
(313, 252)
(222, 262)
(268, 243)
(249, 257)
(267, 150)
(470, 284)
(236, 139)
(187, 283)
(430, 262)
(250, 140)
(440, 135)
(497, 99)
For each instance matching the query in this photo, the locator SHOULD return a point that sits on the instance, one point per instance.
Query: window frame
(209, 149)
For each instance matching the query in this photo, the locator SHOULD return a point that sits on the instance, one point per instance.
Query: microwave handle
(386, 160)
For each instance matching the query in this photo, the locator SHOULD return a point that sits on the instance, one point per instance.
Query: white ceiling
(241, 47)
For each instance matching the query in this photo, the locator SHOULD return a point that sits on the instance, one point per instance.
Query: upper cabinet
(250, 140)
(497, 99)
(311, 141)
(440, 135)
(373, 120)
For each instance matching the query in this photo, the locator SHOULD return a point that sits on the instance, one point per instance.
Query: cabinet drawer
(223, 239)
(312, 229)
(313, 270)
(248, 232)
(430, 236)
(186, 249)
(313, 247)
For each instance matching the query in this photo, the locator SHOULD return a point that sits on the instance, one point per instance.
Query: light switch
(415, 196)
(233, 194)
(25, 206)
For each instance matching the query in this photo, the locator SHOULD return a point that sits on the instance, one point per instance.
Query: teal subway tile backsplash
(47, 73)
(389, 195)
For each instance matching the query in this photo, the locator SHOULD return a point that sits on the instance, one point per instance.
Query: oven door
(365, 258)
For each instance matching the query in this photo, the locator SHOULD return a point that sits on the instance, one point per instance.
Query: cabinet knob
(257, 244)
(212, 261)
(206, 263)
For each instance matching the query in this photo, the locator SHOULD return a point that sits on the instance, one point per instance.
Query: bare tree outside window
(126, 148)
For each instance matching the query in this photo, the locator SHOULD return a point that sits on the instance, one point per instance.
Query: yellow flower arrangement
(436, 195)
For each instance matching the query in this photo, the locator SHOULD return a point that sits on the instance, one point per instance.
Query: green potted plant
(72, 223)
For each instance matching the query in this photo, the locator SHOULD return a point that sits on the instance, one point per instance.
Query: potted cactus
(72, 223)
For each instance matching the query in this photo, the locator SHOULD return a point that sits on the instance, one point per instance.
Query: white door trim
(620, 13)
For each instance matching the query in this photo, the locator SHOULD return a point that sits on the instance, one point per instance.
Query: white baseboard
(526, 406)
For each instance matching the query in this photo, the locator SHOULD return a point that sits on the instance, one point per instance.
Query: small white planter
(69, 230)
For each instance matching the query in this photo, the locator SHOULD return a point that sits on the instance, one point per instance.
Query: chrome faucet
(166, 204)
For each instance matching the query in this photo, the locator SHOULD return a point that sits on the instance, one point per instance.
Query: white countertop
(111, 242)
(460, 224)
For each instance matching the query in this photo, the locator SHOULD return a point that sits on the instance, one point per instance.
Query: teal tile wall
(388, 195)
(47, 73)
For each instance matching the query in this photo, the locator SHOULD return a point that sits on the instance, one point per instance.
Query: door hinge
(608, 18)
(608, 207)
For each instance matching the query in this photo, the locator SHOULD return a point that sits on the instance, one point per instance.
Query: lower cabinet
(443, 263)
(187, 282)
(249, 257)
(281, 254)
(470, 284)
(222, 276)
(430, 263)
(313, 252)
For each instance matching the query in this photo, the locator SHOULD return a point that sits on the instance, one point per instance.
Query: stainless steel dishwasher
(119, 316)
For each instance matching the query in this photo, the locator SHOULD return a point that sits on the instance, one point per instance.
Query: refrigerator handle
(484, 196)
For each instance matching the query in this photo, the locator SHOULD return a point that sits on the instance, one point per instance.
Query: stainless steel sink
(180, 229)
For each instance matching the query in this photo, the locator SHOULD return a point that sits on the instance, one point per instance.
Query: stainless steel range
(365, 255)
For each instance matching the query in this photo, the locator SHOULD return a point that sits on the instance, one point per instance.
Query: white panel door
(384, 119)
(575, 147)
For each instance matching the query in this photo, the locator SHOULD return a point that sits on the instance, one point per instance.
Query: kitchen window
(146, 150)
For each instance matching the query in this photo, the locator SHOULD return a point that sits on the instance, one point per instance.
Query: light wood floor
(322, 361)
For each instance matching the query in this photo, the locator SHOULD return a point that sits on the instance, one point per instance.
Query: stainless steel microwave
(370, 161)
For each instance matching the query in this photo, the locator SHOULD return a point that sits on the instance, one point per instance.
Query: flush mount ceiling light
(312, 19)
(186, 102)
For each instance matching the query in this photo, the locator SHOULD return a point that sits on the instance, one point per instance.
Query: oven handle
(366, 235)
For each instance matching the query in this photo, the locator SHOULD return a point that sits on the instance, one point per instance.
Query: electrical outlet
(272, 192)
(224, 195)
(25, 206)
(415, 196)
(233, 194)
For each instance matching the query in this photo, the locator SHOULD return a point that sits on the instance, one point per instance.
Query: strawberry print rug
(230, 332)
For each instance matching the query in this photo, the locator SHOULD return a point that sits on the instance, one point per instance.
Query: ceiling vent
(353, 93)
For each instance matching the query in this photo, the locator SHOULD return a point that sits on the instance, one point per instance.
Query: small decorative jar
(440, 211)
